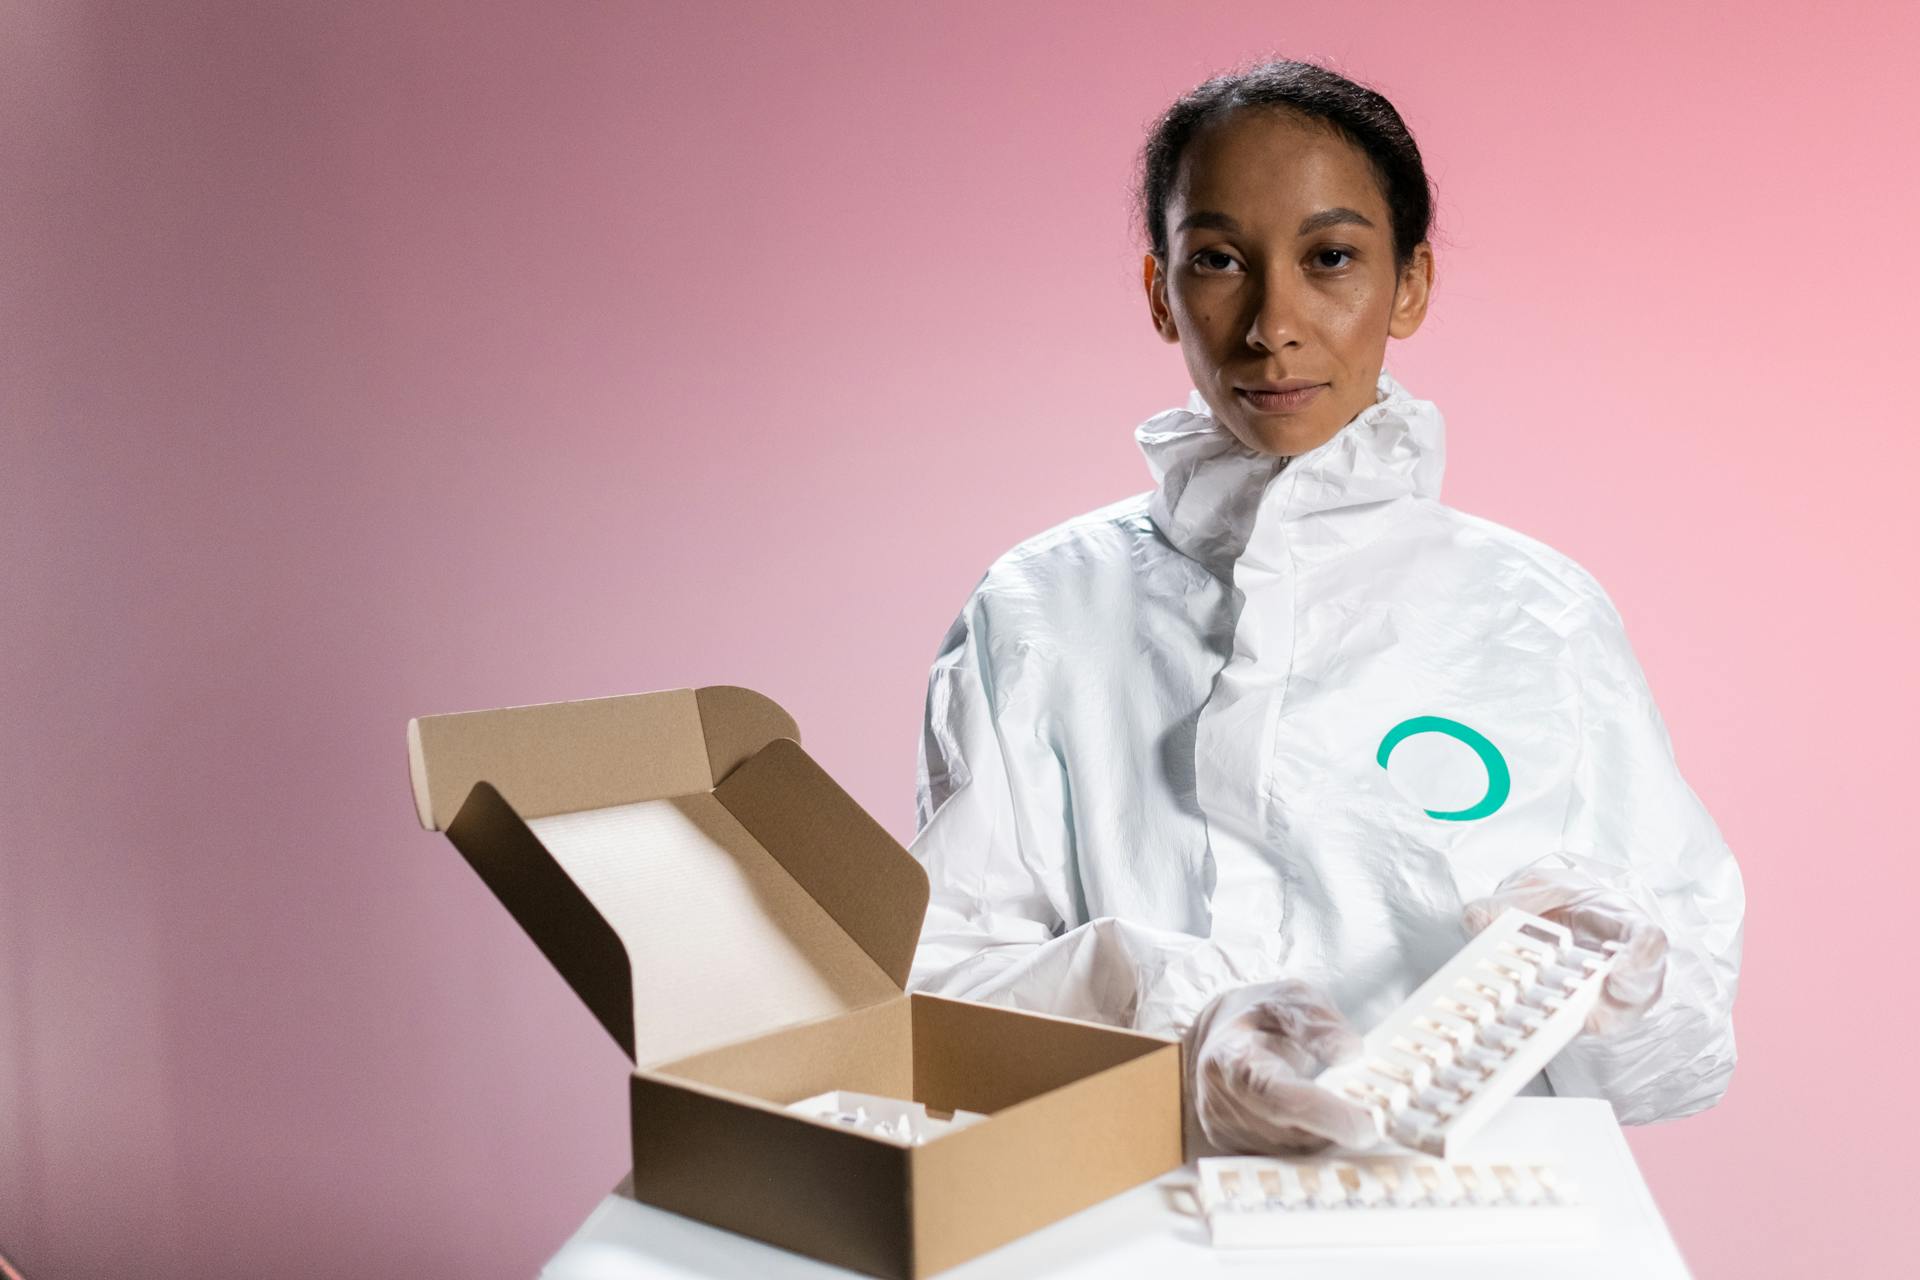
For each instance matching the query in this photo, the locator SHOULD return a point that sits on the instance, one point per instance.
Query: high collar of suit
(1217, 500)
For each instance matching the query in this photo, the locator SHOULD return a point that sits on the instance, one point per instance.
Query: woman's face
(1280, 271)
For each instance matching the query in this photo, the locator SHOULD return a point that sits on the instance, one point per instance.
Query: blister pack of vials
(1474, 1034)
(896, 1120)
(1253, 1202)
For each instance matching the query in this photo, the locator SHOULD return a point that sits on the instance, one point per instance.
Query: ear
(1154, 276)
(1411, 292)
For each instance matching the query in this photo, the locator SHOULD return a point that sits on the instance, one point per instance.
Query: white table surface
(1152, 1231)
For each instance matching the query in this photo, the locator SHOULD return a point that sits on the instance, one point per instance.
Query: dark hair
(1362, 116)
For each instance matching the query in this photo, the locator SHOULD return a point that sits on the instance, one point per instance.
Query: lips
(1281, 397)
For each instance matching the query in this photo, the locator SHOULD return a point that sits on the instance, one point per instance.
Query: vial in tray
(1474, 1034)
(1252, 1201)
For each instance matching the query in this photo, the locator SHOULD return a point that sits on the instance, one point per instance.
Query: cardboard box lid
(688, 868)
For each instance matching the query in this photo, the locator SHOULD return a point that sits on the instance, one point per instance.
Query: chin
(1285, 441)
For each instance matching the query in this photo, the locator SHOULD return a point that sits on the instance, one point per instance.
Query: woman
(1246, 758)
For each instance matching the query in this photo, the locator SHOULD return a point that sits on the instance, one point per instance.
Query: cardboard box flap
(721, 942)
(559, 757)
(738, 722)
(684, 921)
(549, 906)
(873, 888)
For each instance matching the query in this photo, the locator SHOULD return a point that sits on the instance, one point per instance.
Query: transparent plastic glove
(1252, 1055)
(1594, 914)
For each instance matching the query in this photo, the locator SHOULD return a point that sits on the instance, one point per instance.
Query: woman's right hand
(1252, 1057)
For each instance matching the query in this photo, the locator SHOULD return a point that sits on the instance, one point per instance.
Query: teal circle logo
(1499, 781)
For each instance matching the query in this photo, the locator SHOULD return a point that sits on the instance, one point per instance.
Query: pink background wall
(369, 360)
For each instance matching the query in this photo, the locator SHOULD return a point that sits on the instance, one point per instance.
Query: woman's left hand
(1594, 914)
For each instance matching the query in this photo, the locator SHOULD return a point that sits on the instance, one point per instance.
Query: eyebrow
(1314, 222)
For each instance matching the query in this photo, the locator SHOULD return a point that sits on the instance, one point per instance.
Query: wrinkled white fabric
(1225, 733)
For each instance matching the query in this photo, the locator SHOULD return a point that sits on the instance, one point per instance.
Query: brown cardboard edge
(1156, 1069)
(1166, 1055)
(736, 722)
(987, 1057)
(1037, 1147)
(755, 1168)
(548, 906)
(697, 1068)
(836, 851)
(567, 926)
(664, 1072)
(417, 775)
(1145, 1038)
(563, 757)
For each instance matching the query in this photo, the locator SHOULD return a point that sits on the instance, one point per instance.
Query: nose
(1275, 322)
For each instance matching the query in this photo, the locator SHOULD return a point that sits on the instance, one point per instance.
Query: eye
(1320, 255)
(1213, 261)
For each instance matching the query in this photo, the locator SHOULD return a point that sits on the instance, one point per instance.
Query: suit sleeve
(990, 909)
(1003, 922)
(1634, 825)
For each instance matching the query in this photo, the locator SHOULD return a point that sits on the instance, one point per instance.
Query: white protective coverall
(1282, 719)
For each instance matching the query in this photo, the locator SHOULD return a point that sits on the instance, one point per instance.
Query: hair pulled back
(1362, 116)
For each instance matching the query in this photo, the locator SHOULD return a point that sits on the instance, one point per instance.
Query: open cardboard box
(744, 930)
